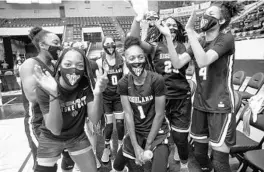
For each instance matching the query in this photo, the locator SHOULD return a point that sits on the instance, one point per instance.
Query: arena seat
(190, 72)
(238, 79)
(254, 160)
(253, 86)
(245, 144)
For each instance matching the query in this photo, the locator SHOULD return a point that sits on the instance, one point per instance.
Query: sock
(221, 161)
(201, 156)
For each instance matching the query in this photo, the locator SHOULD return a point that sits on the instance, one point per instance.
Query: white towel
(256, 104)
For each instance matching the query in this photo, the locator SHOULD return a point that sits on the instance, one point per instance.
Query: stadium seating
(125, 22)
(253, 86)
(245, 144)
(238, 79)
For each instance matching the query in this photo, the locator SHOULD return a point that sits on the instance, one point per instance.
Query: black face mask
(71, 76)
(109, 46)
(208, 22)
(136, 68)
(53, 50)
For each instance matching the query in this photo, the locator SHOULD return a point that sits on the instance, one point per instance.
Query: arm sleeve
(122, 87)
(223, 44)
(159, 85)
(43, 100)
(89, 94)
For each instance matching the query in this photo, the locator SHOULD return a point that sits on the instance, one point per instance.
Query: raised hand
(101, 82)
(140, 7)
(190, 25)
(163, 28)
(45, 80)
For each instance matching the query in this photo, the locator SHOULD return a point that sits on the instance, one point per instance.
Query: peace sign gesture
(45, 80)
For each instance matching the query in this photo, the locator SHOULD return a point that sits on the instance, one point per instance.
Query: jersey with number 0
(114, 74)
(175, 79)
(142, 101)
(214, 91)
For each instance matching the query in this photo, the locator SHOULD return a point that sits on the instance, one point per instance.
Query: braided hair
(154, 34)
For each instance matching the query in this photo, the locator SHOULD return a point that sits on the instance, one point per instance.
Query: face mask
(208, 22)
(136, 68)
(71, 75)
(106, 47)
(53, 50)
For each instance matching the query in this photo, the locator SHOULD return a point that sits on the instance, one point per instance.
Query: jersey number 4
(168, 67)
(114, 80)
(142, 114)
(203, 73)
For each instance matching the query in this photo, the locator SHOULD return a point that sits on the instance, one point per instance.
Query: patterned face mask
(71, 76)
(136, 68)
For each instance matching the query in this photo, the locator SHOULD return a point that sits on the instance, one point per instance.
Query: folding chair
(253, 86)
(238, 79)
(244, 143)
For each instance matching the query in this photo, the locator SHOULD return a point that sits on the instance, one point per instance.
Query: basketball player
(65, 101)
(143, 98)
(178, 94)
(111, 62)
(213, 119)
(48, 45)
(91, 129)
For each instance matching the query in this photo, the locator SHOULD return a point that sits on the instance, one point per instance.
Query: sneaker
(184, 167)
(98, 164)
(176, 155)
(106, 154)
(125, 170)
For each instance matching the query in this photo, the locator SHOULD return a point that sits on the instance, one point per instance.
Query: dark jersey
(175, 79)
(114, 74)
(214, 91)
(34, 108)
(74, 111)
(142, 101)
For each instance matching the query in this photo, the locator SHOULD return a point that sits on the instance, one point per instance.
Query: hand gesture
(45, 80)
(139, 152)
(101, 82)
(163, 28)
(191, 22)
(140, 7)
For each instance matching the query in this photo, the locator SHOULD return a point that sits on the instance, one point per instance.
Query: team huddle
(145, 90)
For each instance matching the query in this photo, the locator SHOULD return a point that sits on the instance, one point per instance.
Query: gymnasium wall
(72, 9)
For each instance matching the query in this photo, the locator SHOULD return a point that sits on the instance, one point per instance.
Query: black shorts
(178, 112)
(112, 106)
(128, 149)
(218, 127)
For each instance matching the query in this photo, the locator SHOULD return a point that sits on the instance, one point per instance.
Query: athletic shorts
(128, 149)
(178, 112)
(52, 149)
(111, 106)
(218, 127)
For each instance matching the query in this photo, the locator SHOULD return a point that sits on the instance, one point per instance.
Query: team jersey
(175, 79)
(73, 107)
(114, 74)
(142, 101)
(34, 108)
(214, 91)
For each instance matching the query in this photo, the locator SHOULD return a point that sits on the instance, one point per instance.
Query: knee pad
(66, 163)
(40, 168)
(180, 138)
(120, 125)
(109, 118)
(181, 141)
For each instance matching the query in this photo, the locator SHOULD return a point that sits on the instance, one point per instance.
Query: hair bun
(233, 7)
(34, 31)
